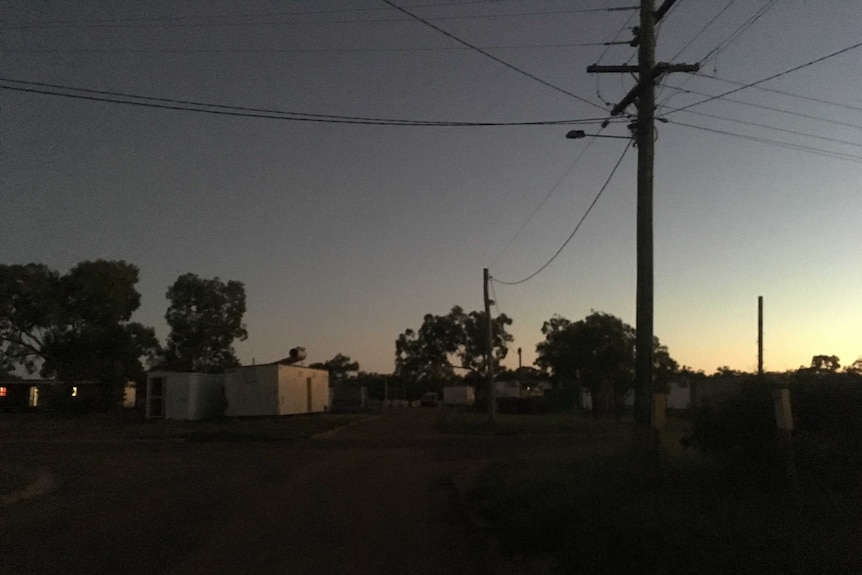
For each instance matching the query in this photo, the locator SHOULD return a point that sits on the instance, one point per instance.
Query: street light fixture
(580, 134)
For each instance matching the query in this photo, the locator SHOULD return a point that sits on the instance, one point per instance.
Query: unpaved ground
(378, 497)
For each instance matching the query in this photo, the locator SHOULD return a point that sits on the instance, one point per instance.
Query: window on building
(3, 392)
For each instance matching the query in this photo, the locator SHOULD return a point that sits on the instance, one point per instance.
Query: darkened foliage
(424, 358)
(75, 326)
(828, 403)
(205, 316)
(596, 353)
(740, 431)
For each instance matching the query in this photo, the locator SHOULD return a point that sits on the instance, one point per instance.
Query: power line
(492, 57)
(782, 92)
(577, 227)
(222, 109)
(770, 108)
(605, 51)
(288, 50)
(702, 30)
(777, 129)
(733, 35)
(739, 31)
(779, 143)
(550, 192)
(774, 76)
(158, 22)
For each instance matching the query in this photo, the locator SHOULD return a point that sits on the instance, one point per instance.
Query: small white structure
(275, 389)
(459, 395)
(176, 395)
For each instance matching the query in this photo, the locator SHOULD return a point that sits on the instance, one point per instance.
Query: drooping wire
(577, 227)
(772, 77)
(782, 92)
(775, 128)
(153, 22)
(604, 53)
(727, 41)
(769, 108)
(739, 31)
(243, 111)
(779, 143)
(702, 30)
(553, 189)
(492, 57)
(287, 50)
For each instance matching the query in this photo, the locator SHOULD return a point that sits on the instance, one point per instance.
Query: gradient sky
(346, 235)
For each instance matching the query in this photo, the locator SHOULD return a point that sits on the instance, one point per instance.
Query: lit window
(75, 391)
(2, 392)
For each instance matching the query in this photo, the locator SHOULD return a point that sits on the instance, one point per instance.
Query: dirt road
(374, 498)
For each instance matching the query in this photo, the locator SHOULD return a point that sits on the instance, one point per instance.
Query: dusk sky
(347, 234)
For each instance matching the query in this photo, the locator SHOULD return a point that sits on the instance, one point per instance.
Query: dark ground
(378, 497)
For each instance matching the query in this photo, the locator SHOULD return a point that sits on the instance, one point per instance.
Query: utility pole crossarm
(621, 69)
(658, 70)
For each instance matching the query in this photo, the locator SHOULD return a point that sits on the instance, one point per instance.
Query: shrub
(739, 433)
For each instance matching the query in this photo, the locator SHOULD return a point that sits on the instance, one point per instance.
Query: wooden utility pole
(760, 336)
(643, 96)
(489, 355)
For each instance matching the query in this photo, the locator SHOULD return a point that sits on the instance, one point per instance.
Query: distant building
(276, 389)
(184, 396)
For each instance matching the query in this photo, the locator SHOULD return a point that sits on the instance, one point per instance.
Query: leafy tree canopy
(74, 326)
(427, 355)
(824, 363)
(600, 347)
(205, 317)
(339, 367)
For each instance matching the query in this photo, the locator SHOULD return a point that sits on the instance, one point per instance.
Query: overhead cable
(287, 50)
(492, 57)
(702, 30)
(772, 77)
(168, 23)
(782, 92)
(577, 227)
(775, 128)
(244, 111)
(770, 108)
(739, 31)
(550, 192)
(779, 143)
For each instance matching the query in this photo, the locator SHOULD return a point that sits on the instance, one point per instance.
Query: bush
(739, 433)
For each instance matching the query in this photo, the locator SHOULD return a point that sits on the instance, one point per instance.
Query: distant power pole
(643, 96)
(760, 335)
(489, 356)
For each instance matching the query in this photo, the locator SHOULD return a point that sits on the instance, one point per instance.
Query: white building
(176, 395)
(275, 389)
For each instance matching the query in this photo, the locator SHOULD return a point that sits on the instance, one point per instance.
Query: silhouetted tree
(339, 367)
(598, 353)
(825, 363)
(74, 326)
(205, 316)
(427, 355)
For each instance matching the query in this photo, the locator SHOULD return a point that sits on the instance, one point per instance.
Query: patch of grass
(618, 514)
(222, 429)
(244, 429)
(472, 423)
